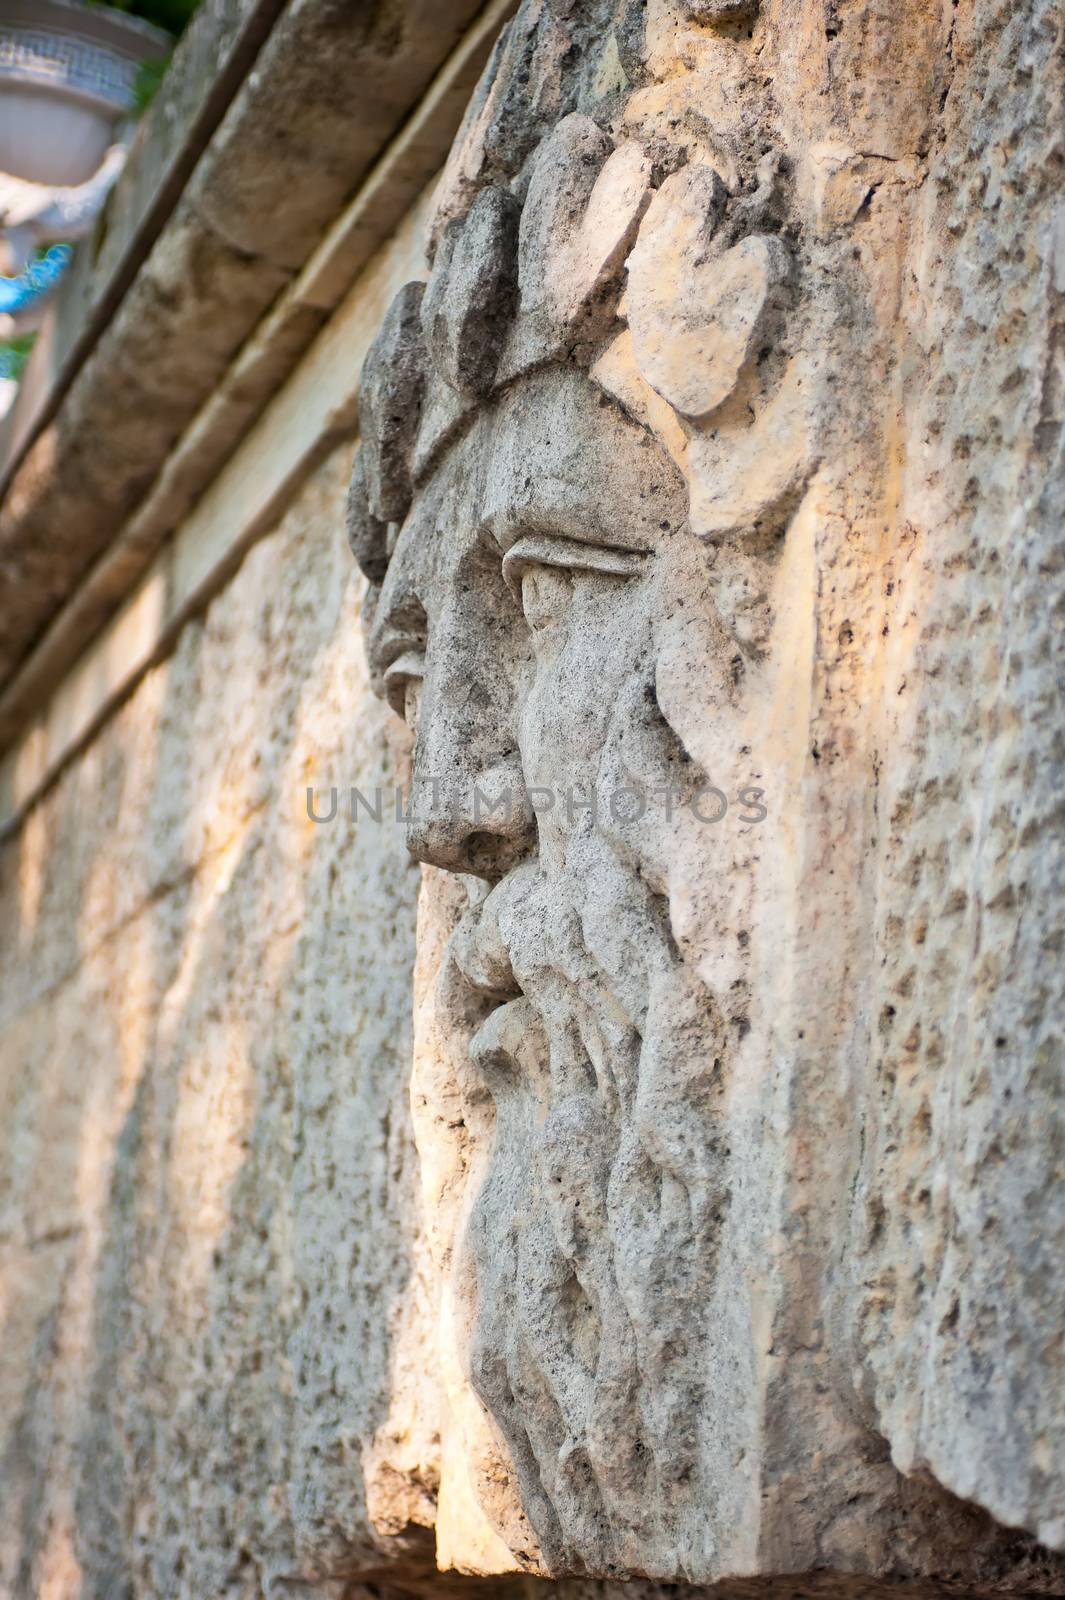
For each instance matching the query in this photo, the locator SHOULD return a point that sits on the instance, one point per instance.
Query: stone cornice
(221, 244)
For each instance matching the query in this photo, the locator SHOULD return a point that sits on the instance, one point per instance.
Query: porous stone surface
(216, 1347)
(723, 612)
(631, 1169)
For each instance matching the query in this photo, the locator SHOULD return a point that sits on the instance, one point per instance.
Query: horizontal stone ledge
(330, 89)
(211, 61)
(313, 413)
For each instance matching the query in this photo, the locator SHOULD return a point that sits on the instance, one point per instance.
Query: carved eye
(403, 685)
(539, 570)
(545, 594)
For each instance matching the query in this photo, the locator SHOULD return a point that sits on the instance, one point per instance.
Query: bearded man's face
(543, 575)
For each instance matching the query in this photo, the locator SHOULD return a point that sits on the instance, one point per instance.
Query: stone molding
(86, 454)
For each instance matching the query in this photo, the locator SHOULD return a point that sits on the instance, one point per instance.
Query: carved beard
(597, 1226)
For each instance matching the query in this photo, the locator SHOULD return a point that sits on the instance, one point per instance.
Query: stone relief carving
(587, 500)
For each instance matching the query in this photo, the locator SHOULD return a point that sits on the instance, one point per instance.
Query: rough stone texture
(738, 1090)
(680, 1206)
(208, 1240)
(390, 403)
(282, 163)
(470, 295)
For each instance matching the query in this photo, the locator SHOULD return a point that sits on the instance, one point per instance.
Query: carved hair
(629, 260)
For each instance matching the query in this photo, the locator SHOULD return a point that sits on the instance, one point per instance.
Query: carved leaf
(390, 400)
(697, 314)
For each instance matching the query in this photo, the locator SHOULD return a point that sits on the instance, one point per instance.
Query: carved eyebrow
(554, 550)
(562, 510)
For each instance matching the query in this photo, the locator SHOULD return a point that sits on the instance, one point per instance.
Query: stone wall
(594, 1207)
(212, 1352)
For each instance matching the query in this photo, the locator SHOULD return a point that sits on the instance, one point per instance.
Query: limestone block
(734, 1075)
(217, 1325)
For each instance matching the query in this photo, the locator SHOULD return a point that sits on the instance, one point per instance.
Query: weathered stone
(367, 534)
(580, 213)
(390, 403)
(701, 1227)
(697, 315)
(715, 11)
(637, 617)
(209, 1249)
(471, 294)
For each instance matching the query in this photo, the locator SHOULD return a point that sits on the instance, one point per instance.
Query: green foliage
(14, 353)
(146, 83)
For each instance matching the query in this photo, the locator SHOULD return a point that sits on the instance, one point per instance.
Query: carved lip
(477, 945)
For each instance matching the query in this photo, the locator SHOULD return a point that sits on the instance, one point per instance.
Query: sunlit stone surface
(641, 1167)
(705, 488)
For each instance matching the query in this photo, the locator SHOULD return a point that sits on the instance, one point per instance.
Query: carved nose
(470, 820)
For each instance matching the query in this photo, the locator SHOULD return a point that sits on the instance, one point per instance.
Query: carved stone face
(517, 613)
(648, 529)
(542, 590)
(574, 508)
(582, 442)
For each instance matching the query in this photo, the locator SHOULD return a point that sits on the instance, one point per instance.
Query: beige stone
(209, 1253)
(739, 1287)
(654, 1198)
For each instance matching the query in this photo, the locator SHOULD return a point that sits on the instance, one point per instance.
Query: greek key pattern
(44, 56)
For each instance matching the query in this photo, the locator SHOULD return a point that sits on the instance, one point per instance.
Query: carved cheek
(572, 689)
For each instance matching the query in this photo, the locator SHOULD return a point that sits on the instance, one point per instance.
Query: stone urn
(67, 75)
